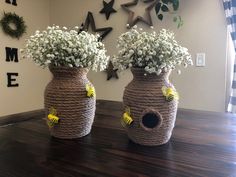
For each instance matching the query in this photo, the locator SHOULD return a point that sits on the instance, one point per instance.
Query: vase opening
(141, 75)
(151, 120)
(68, 72)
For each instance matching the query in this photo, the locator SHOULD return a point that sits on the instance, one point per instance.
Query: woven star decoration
(111, 72)
(108, 8)
(131, 20)
(90, 21)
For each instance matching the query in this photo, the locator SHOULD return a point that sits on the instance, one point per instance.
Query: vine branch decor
(172, 6)
(13, 25)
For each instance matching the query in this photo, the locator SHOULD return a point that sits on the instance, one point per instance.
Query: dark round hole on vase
(151, 120)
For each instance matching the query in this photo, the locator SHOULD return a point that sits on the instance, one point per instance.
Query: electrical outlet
(201, 59)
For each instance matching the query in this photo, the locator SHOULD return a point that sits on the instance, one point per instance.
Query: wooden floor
(203, 144)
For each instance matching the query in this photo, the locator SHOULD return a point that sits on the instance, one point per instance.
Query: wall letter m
(11, 54)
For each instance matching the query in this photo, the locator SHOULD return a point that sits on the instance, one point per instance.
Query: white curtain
(230, 12)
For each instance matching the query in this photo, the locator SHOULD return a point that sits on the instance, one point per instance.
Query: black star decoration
(131, 20)
(108, 8)
(90, 21)
(111, 72)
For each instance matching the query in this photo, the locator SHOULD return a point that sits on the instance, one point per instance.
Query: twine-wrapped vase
(66, 99)
(153, 116)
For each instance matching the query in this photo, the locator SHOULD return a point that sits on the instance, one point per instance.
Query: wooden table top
(203, 144)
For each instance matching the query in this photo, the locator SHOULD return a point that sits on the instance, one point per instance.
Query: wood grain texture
(203, 144)
(19, 117)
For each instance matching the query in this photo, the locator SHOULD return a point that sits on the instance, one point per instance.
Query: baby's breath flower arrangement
(154, 52)
(63, 47)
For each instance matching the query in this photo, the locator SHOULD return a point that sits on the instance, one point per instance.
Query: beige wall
(32, 80)
(204, 30)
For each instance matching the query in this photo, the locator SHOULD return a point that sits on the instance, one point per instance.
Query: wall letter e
(10, 80)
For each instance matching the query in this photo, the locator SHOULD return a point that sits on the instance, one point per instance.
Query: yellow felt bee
(126, 119)
(170, 93)
(90, 91)
(52, 119)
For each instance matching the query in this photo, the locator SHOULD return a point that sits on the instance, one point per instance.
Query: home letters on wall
(12, 56)
(12, 53)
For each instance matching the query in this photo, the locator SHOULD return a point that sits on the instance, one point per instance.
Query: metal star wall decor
(108, 8)
(90, 21)
(131, 20)
(111, 72)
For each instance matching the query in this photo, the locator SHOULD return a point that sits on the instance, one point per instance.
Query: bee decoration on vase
(90, 91)
(52, 119)
(126, 119)
(170, 94)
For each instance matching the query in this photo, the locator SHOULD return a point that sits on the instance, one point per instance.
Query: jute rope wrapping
(67, 94)
(142, 95)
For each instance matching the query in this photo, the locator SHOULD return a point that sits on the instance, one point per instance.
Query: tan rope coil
(144, 93)
(67, 94)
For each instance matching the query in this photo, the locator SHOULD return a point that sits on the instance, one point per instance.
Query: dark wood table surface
(203, 144)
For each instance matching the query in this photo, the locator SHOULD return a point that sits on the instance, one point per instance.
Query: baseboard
(14, 118)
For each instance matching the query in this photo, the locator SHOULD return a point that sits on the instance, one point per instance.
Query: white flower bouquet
(154, 52)
(62, 47)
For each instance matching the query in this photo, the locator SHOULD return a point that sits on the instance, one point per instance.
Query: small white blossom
(48, 61)
(178, 72)
(140, 52)
(131, 52)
